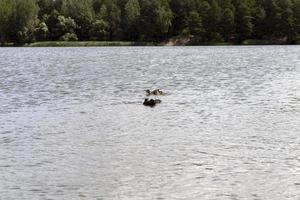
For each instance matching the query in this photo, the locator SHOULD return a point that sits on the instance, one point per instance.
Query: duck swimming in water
(151, 102)
(155, 92)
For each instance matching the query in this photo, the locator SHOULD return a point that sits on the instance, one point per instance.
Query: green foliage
(132, 12)
(195, 24)
(227, 24)
(99, 30)
(25, 36)
(259, 16)
(46, 7)
(272, 18)
(114, 17)
(17, 20)
(6, 13)
(244, 25)
(42, 32)
(296, 11)
(132, 15)
(69, 37)
(207, 21)
(103, 13)
(286, 22)
(163, 17)
(212, 22)
(82, 12)
(59, 25)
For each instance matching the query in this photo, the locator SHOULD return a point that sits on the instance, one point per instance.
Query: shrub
(69, 37)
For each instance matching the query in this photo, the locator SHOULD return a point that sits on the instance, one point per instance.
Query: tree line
(26, 21)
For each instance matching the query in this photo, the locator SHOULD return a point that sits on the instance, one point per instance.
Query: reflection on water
(72, 124)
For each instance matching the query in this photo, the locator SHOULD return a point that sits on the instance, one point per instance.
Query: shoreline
(89, 44)
(128, 44)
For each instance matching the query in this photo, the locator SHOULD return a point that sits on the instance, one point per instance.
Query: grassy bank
(262, 42)
(88, 44)
(245, 43)
(123, 43)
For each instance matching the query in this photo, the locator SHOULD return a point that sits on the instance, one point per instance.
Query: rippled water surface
(72, 123)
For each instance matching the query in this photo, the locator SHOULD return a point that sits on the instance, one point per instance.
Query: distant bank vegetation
(204, 21)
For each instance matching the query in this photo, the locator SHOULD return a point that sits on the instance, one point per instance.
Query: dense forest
(26, 21)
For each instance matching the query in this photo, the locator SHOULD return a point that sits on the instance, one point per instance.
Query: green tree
(97, 5)
(212, 22)
(227, 24)
(296, 11)
(59, 25)
(114, 17)
(25, 14)
(42, 32)
(83, 13)
(99, 30)
(132, 11)
(179, 22)
(226, 4)
(69, 37)
(272, 18)
(203, 10)
(259, 16)
(6, 12)
(17, 20)
(147, 20)
(286, 22)
(151, 20)
(163, 17)
(195, 24)
(132, 15)
(45, 7)
(244, 26)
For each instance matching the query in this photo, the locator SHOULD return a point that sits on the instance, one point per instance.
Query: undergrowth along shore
(126, 43)
(89, 44)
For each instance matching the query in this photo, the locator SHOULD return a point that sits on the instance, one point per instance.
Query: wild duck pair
(153, 102)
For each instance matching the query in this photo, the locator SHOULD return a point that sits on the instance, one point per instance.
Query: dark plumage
(151, 102)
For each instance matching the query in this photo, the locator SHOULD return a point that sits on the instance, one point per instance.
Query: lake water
(72, 123)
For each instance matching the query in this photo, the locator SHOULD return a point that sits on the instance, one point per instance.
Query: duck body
(154, 92)
(151, 102)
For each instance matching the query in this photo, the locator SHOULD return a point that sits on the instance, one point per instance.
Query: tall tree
(195, 24)
(132, 14)
(45, 7)
(272, 18)
(296, 11)
(286, 22)
(99, 30)
(59, 25)
(259, 16)
(212, 22)
(149, 20)
(227, 23)
(180, 17)
(22, 18)
(163, 17)
(114, 16)
(244, 26)
(6, 12)
(82, 12)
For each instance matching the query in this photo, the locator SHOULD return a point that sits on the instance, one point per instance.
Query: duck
(151, 102)
(154, 92)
